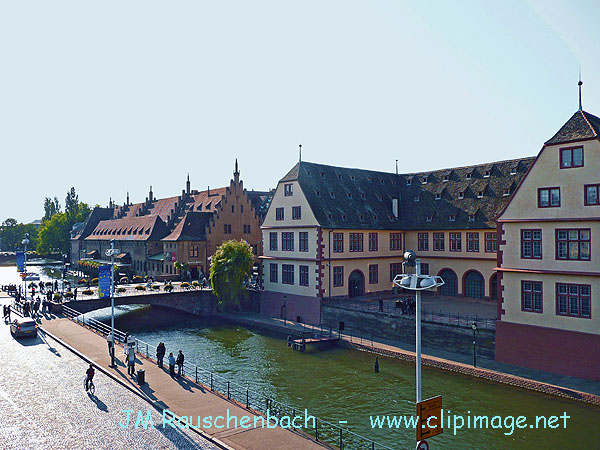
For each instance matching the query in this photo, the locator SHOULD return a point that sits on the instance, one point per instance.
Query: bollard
(247, 399)
(211, 381)
(341, 440)
(228, 396)
(316, 429)
(147, 354)
(196, 374)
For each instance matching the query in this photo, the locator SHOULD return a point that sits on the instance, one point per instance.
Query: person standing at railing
(111, 343)
(180, 359)
(131, 362)
(171, 365)
(160, 354)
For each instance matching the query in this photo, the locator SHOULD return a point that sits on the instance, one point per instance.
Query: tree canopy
(13, 233)
(230, 265)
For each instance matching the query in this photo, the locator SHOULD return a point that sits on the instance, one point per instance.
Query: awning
(157, 257)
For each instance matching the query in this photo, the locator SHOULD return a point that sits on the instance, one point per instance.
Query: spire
(127, 198)
(187, 185)
(151, 197)
(579, 84)
(236, 173)
(110, 202)
(300, 153)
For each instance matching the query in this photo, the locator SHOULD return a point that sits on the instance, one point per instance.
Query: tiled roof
(581, 125)
(91, 222)
(362, 199)
(130, 229)
(191, 228)
(205, 202)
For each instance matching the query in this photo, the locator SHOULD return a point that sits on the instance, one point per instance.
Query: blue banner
(103, 281)
(20, 261)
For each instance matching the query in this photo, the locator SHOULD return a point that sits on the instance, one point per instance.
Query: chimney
(208, 193)
(151, 196)
(187, 185)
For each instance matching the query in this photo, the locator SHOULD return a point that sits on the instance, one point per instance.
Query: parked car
(23, 327)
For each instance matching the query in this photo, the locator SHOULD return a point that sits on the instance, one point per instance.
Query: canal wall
(381, 325)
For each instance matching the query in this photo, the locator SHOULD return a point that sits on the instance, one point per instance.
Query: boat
(31, 276)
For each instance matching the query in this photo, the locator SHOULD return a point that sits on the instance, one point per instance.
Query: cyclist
(90, 375)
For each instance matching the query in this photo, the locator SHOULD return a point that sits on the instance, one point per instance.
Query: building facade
(549, 258)
(339, 232)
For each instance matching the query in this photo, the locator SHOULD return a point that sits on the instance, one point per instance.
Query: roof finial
(580, 83)
(188, 179)
(300, 153)
(236, 166)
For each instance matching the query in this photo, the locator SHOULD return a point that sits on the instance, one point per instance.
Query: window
(287, 241)
(480, 194)
(531, 296)
(417, 198)
(246, 229)
(194, 251)
(571, 157)
(531, 244)
(241, 208)
(452, 218)
(429, 218)
(303, 241)
(287, 274)
(446, 178)
(395, 269)
(472, 242)
(423, 242)
(591, 192)
(395, 241)
(356, 242)
(573, 244)
(574, 300)
(424, 180)
(338, 242)
(469, 176)
(332, 194)
(513, 171)
(549, 197)
(318, 193)
(487, 174)
(288, 190)
(373, 274)
(471, 217)
(373, 244)
(232, 208)
(338, 276)
(424, 268)
(438, 242)
(273, 273)
(273, 242)
(296, 212)
(349, 195)
(461, 195)
(455, 242)
(408, 181)
(226, 228)
(303, 276)
(490, 243)
(438, 196)
(506, 193)
(278, 213)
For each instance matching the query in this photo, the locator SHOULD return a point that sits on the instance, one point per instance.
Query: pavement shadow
(99, 403)
(42, 336)
(29, 341)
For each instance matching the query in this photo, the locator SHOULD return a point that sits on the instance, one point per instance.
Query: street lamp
(112, 251)
(416, 282)
(474, 326)
(25, 242)
(284, 311)
(64, 258)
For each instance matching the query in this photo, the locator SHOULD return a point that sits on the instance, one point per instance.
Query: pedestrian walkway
(182, 396)
(560, 385)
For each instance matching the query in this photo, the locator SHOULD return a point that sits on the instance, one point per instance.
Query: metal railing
(445, 318)
(322, 430)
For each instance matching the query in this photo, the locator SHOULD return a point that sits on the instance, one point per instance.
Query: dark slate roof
(191, 228)
(260, 201)
(362, 199)
(98, 214)
(581, 125)
(145, 228)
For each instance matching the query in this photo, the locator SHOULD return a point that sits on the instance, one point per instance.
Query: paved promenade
(181, 396)
(559, 385)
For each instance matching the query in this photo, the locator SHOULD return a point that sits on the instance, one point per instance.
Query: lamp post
(64, 258)
(285, 311)
(111, 252)
(474, 326)
(25, 242)
(416, 282)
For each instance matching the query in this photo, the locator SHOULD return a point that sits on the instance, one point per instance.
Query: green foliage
(51, 207)
(185, 285)
(57, 296)
(140, 287)
(13, 233)
(88, 292)
(68, 294)
(231, 264)
(94, 281)
(121, 290)
(195, 284)
(71, 203)
(168, 288)
(156, 287)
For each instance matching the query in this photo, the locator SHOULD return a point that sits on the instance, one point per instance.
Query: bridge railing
(322, 430)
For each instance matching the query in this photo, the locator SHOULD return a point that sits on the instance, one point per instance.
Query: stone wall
(394, 328)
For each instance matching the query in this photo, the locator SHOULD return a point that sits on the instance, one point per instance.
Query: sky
(114, 96)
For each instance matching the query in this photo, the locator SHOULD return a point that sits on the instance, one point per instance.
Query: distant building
(549, 258)
(338, 232)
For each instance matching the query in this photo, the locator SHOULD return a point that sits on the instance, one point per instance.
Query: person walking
(160, 354)
(171, 365)
(180, 359)
(131, 362)
(111, 344)
(75, 294)
(8, 312)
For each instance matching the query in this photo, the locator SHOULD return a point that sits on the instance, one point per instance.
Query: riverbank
(575, 389)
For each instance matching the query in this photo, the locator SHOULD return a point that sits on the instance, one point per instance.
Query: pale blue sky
(115, 96)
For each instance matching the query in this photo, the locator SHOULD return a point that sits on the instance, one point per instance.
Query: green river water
(340, 384)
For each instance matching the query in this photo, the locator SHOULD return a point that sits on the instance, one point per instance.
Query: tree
(13, 233)
(230, 265)
(51, 207)
(55, 234)
(72, 203)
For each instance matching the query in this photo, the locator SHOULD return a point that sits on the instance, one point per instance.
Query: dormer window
(487, 174)
(349, 195)
(424, 180)
(363, 196)
(417, 198)
(452, 218)
(375, 217)
(393, 182)
(378, 197)
(339, 175)
(361, 217)
(480, 194)
(322, 174)
(318, 194)
(513, 171)
(332, 194)
(370, 179)
(446, 178)
(382, 181)
(471, 217)
(469, 176)
(461, 195)
(352, 177)
(408, 181)
(429, 218)
(506, 193)
(438, 196)
(343, 216)
(329, 216)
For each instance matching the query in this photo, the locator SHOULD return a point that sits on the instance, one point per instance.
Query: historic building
(156, 233)
(339, 232)
(549, 257)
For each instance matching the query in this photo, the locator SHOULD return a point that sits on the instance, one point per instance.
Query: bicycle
(90, 388)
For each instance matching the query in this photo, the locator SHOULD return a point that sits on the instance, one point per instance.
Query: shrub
(140, 288)
(48, 283)
(137, 279)
(95, 281)
(121, 289)
(68, 294)
(169, 287)
(57, 296)
(185, 285)
(156, 287)
(195, 284)
(124, 280)
(88, 292)
(82, 281)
